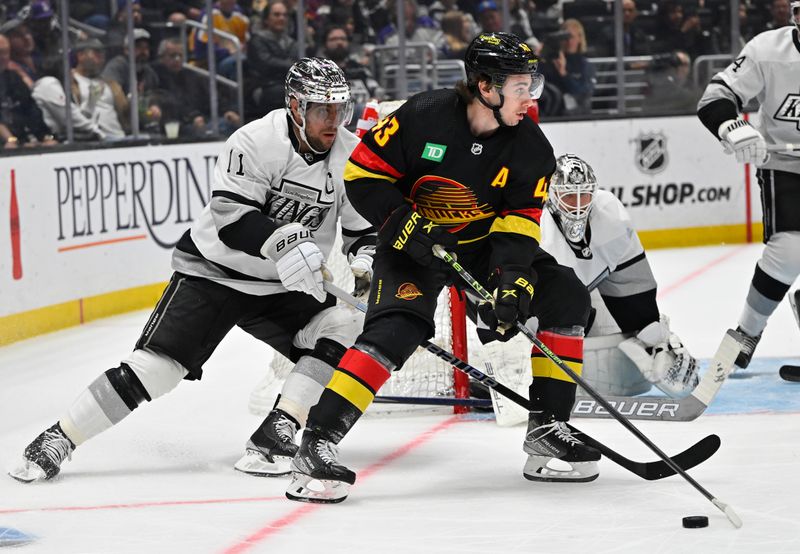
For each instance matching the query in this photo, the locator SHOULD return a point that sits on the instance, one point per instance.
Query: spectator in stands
(781, 14)
(46, 33)
(419, 28)
(520, 23)
(20, 118)
(681, 31)
(574, 74)
(270, 54)
(118, 29)
(671, 89)
(489, 17)
(635, 42)
(456, 33)
(229, 17)
(183, 95)
(116, 73)
(352, 14)
(363, 85)
(95, 114)
(23, 62)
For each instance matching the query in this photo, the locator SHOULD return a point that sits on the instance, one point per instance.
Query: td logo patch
(433, 152)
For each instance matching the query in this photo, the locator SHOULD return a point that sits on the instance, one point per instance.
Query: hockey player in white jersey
(254, 259)
(767, 70)
(590, 231)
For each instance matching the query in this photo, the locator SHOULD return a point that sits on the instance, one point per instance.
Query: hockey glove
(409, 232)
(513, 291)
(361, 266)
(297, 258)
(742, 139)
(663, 359)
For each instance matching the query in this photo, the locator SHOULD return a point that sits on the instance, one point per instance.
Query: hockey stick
(440, 252)
(792, 372)
(783, 147)
(692, 456)
(665, 408)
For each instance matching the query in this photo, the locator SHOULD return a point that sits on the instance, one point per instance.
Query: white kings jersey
(767, 69)
(261, 182)
(611, 257)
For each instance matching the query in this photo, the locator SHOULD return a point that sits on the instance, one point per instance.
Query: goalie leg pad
(609, 370)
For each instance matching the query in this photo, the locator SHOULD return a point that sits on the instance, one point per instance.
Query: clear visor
(523, 87)
(335, 114)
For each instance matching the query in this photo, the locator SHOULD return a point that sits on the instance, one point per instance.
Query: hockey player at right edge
(589, 230)
(767, 69)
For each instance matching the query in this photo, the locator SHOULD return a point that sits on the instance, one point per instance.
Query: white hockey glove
(662, 359)
(297, 259)
(361, 266)
(742, 139)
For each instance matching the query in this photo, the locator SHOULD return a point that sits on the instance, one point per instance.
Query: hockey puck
(695, 522)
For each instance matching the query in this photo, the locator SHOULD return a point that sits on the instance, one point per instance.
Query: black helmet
(499, 55)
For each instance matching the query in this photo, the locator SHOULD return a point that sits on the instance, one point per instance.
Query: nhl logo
(789, 110)
(651, 152)
(476, 149)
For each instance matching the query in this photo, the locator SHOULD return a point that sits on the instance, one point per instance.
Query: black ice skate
(549, 440)
(748, 347)
(317, 476)
(43, 457)
(270, 450)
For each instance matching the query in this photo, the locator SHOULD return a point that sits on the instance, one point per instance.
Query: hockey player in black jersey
(468, 170)
(252, 259)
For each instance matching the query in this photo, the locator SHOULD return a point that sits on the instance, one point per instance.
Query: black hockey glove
(409, 232)
(513, 291)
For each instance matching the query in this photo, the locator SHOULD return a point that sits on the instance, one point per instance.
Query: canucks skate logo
(651, 152)
(789, 110)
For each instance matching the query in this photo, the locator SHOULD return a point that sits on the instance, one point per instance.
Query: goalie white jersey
(767, 69)
(611, 257)
(260, 183)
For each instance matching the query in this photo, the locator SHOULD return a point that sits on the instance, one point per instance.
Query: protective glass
(523, 89)
(338, 113)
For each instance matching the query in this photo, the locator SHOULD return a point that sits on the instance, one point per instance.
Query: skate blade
(305, 488)
(27, 472)
(255, 463)
(537, 469)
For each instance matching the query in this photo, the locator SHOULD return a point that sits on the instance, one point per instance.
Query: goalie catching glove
(663, 360)
(409, 232)
(297, 258)
(742, 139)
(513, 291)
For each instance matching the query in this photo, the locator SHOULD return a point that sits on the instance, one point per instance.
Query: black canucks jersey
(478, 187)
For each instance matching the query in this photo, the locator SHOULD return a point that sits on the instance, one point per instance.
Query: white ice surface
(162, 481)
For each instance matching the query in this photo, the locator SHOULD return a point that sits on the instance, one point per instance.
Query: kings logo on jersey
(448, 202)
(651, 152)
(789, 110)
(291, 201)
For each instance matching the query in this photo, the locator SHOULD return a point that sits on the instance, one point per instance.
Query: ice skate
(270, 450)
(43, 457)
(549, 440)
(748, 347)
(316, 474)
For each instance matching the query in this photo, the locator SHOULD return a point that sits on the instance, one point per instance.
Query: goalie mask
(570, 195)
(321, 91)
(795, 7)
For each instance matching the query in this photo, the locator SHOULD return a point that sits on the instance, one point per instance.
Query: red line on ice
(697, 272)
(281, 523)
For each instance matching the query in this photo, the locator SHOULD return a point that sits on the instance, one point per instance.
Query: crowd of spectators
(566, 33)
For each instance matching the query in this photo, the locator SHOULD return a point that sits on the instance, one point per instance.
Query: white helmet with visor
(570, 195)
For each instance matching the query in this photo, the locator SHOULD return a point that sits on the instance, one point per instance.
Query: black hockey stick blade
(790, 373)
